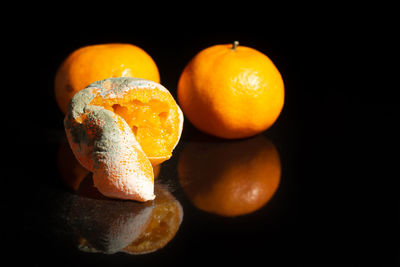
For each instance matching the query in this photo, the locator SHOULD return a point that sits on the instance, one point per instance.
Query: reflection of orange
(71, 171)
(230, 178)
(231, 91)
(97, 62)
(118, 128)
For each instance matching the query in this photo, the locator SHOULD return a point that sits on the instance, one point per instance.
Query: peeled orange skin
(230, 178)
(101, 61)
(231, 92)
(105, 144)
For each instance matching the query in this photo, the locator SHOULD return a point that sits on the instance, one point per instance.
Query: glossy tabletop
(297, 193)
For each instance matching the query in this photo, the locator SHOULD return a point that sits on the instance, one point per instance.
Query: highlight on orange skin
(109, 226)
(229, 178)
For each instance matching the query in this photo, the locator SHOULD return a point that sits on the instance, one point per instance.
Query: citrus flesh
(151, 121)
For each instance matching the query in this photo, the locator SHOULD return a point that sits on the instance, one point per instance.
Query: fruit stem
(235, 44)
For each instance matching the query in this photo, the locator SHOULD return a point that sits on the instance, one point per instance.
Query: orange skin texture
(231, 93)
(97, 62)
(104, 143)
(230, 178)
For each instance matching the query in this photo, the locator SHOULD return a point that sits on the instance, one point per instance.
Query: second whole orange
(231, 91)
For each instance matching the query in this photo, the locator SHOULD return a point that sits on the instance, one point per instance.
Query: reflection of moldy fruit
(231, 91)
(106, 225)
(117, 128)
(230, 178)
(110, 226)
(166, 218)
(97, 62)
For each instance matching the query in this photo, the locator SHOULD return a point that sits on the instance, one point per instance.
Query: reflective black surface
(329, 198)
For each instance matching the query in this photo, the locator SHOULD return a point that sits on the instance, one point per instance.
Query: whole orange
(98, 62)
(231, 91)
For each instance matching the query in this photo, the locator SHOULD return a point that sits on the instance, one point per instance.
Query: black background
(336, 202)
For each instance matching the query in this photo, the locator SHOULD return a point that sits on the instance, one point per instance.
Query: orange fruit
(117, 128)
(230, 178)
(231, 91)
(101, 61)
